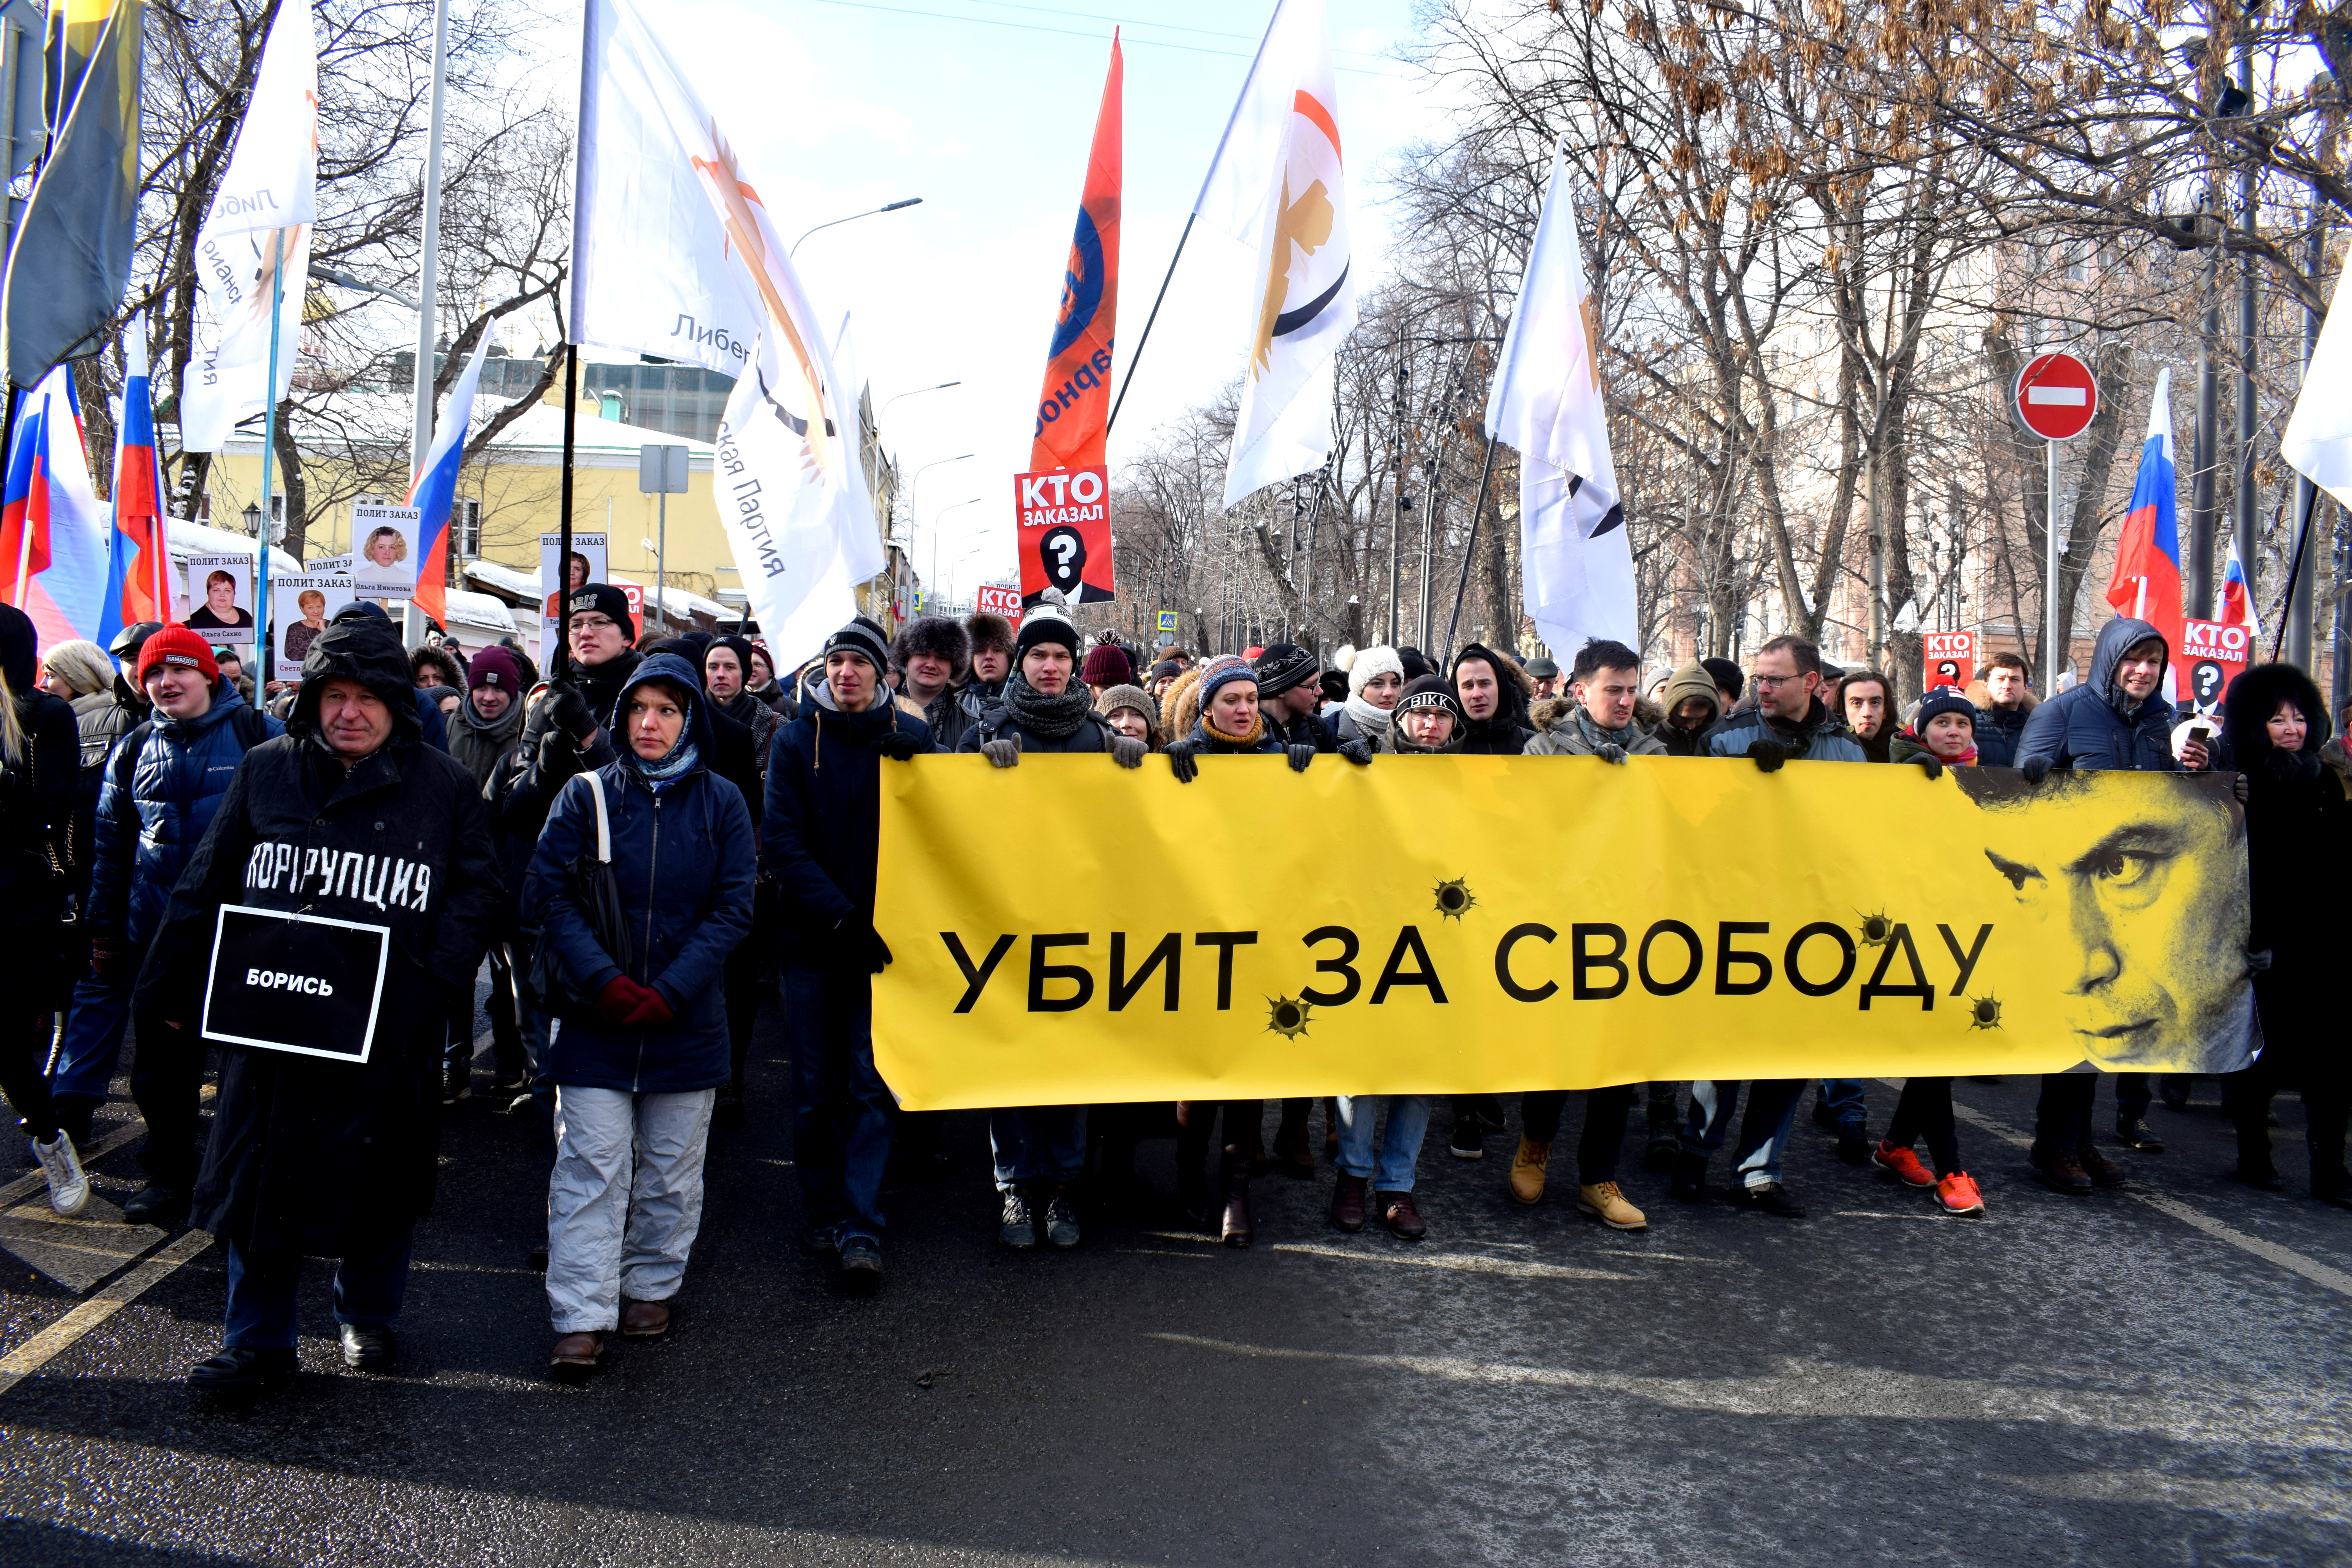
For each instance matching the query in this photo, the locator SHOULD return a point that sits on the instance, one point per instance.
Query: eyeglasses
(592, 622)
(1772, 682)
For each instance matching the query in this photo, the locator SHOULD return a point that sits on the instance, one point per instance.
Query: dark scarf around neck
(1047, 718)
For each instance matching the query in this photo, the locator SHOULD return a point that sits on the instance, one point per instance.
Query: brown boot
(2060, 1171)
(2102, 1172)
(644, 1319)
(1528, 1171)
(574, 1359)
(1234, 1175)
(1348, 1201)
(1397, 1213)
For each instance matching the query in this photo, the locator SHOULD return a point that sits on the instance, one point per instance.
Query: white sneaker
(69, 1186)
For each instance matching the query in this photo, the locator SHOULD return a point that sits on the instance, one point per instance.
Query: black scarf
(742, 707)
(1047, 718)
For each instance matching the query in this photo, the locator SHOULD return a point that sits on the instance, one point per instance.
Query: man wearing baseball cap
(163, 781)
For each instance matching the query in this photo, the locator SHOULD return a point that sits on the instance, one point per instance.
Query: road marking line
(1465, 1262)
(60, 1336)
(2286, 1258)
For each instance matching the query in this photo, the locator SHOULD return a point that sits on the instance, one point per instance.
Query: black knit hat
(1416, 663)
(604, 599)
(1726, 675)
(864, 638)
(1431, 691)
(938, 636)
(1943, 700)
(1282, 666)
(1044, 629)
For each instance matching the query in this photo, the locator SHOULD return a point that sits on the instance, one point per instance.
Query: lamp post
(853, 217)
(936, 516)
(918, 391)
(252, 515)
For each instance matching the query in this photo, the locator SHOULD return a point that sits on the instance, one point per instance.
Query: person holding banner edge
(348, 816)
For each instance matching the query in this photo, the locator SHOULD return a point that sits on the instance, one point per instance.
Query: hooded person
(638, 1074)
(1375, 681)
(1043, 706)
(1693, 704)
(936, 654)
(2298, 832)
(726, 665)
(2004, 695)
(817, 842)
(1596, 718)
(431, 725)
(1493, 692)
(348, 816)
(165, 781)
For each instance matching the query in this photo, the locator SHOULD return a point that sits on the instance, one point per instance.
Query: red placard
(2057, 396)
(635, 595)
(1005, 602)
(1064, 534)
(1951, 660)
(2210, 655)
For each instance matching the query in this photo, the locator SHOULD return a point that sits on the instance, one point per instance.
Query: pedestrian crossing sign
(1167, 620)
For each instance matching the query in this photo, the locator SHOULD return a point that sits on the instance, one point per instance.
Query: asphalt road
(2120, 1379)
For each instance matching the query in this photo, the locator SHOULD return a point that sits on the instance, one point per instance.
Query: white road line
(1465, 1262)
(60, 1336)
(2286, 1258)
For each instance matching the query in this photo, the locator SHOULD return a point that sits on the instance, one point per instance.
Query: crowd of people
(666, 836)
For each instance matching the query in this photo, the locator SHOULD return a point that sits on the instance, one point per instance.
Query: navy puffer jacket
(2094, 726)
(683, 855)
(823, 824)
(163, 787)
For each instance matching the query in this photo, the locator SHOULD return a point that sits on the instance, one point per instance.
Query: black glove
(2238, 782)
(864, 946)
(1004, 752)
(1929, 764)
(1180, 760)
(2035, 769)
(1610, 752)
(1768, 755)
(569, 710)
(1127, 750)
(898, 745)
(1299, 757)
(1357, 753)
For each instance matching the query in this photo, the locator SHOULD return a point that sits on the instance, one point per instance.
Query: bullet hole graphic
(1984, 1013)
(1877, 929)
(1287, 1015)
(1454, 897)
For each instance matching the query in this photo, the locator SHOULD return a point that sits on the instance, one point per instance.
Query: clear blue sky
(985, 108)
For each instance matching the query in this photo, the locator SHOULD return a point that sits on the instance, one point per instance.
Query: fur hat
(938, 636)
(988, 633)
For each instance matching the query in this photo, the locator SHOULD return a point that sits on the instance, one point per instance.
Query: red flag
(1075, 407)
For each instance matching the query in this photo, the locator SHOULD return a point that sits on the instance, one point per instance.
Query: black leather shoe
(1771, 1198)
(2265, 1176)
(1854, 1145)
(369, 1349)
(165, 1207)
(240, 1372)
(2133, 1133)
(1690, 1178)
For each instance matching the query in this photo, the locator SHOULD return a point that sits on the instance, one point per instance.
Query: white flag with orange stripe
(1279, 182)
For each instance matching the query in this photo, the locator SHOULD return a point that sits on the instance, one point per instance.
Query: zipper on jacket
(646, 952)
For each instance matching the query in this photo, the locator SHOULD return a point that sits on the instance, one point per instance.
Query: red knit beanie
(178, 644)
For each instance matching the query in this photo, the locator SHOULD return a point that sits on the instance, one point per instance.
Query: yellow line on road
(60, 1336)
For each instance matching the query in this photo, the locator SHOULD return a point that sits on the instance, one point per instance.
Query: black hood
(367, 651)
(1512, 707)
(20, 649)
(2117, 639)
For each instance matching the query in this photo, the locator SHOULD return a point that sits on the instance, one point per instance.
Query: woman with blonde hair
(81, 673)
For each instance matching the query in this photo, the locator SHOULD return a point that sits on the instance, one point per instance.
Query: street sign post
(1168, 621)
(661, 471)
(2056, 398)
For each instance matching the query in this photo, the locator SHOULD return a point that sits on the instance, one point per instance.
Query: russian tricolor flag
(52, 524)
(2237, 598)
(434, 491)
(138, 566)
(2147, 581)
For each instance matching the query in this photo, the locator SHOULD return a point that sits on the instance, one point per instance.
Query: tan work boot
(1528, 1171)
(1604, 1202)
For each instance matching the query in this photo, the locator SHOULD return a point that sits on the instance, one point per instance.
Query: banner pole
(2302, 542)
(269, 449)
(1469, 550)
(558, 663)
(1136, 357)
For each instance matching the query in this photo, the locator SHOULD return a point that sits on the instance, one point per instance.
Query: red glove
(651, 1011)
(103, 951)
(620, 999)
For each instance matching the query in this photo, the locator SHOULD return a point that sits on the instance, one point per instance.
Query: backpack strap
(603, 822)
(251, 727)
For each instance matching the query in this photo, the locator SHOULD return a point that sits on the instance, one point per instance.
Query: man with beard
(2003, 694)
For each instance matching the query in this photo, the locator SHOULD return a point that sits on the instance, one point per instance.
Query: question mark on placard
(1063, 552)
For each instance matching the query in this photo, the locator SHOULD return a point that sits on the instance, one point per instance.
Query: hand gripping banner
(1067, 932)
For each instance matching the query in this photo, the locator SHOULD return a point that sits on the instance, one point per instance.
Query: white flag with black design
(1546, 402)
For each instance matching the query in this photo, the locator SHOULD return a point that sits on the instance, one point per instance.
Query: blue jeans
(368, 1292)
(1399, 1147)
(1037, 1145)
(93, 1037)
(1844, 1096)
(841, 1107)
(1763, 1133)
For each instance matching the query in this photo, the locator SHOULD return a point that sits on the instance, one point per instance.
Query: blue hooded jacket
(2095, 727)
(685, 860)
(164, 782)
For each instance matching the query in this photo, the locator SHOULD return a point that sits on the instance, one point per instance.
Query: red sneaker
(1958, 1194)
(1902, 1163)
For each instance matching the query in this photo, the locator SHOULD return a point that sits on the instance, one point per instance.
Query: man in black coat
(817, 842)
(348, 816)
(1496, 704)
(1288, 695)
(936, 654)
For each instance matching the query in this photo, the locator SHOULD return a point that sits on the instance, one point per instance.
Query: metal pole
(1428, 519)
(2300, 602)
(1470, 549)
(2201, 499)
(2052, 652)
(269, 449)
(2294, 572)
(559, 661)
(1396, 526)
(661, 547)
(1145, 336)
(2242, 525)
(421, 436)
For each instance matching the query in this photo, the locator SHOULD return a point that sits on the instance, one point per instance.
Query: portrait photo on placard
(587, 563)
(384, 549)
(219, 596)
(299, 609)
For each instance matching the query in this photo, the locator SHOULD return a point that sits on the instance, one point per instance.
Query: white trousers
(625, 1200)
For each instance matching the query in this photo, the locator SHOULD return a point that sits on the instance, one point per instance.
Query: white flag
(1545, 401)
(789, 489)
(2319, 440)
(1279, 182)
(260, 223)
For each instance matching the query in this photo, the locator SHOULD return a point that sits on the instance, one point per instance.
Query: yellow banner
(1066, 932)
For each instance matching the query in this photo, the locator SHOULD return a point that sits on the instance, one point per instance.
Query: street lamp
(853, 217)
(916, 392)
(934, 531)
(252, 519)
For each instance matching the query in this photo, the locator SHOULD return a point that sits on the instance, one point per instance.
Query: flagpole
(269, 449)
(2302, 542)
(1469, 549)
(1136, 358)
(8, 457)
(558, 662)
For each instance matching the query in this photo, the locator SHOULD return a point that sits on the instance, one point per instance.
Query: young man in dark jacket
(2003, 694)
(817, 841)
(2118, 719)
(936, 654)
(1288, 694)
(350, 818)
(163, 781)
(1488, 688)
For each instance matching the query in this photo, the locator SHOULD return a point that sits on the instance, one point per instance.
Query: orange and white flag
(1279, 184)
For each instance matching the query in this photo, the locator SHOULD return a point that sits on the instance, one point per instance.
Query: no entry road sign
(2057, 396)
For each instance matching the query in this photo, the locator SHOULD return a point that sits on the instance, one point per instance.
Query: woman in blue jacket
(635, 1078)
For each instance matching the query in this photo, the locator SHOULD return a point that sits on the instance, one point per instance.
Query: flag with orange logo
(1279, 182)
(1075, 406)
